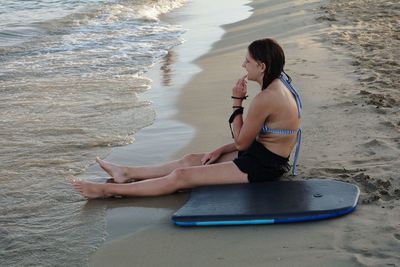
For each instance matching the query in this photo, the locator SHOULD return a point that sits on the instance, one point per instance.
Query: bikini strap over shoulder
(288, 83)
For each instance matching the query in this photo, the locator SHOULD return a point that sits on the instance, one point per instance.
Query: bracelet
(238, 111)
(237, 107)
(241, 98)
(235, 113)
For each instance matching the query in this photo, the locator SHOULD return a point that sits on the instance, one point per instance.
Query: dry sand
(347, 136)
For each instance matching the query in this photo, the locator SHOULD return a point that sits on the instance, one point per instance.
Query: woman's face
(254, 69)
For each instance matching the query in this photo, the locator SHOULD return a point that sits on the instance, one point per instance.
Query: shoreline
(337, 143)
(166, 86)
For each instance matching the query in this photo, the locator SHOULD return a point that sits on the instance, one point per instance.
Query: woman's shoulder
(265, 100)
(272, 96)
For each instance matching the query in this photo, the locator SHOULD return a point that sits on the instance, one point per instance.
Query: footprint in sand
(388, 124)
(397, 236)
(313, 76)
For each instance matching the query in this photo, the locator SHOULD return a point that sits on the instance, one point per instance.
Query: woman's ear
(262, 66)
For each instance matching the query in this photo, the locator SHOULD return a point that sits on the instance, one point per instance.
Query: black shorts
(260, 164)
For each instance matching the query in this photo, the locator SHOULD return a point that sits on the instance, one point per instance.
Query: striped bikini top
(265, 129)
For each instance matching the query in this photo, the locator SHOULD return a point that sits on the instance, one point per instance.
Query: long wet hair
(269, 52)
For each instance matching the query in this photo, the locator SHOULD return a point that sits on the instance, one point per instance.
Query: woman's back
(279, 133)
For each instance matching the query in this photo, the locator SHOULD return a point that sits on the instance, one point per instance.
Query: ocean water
(70, 74)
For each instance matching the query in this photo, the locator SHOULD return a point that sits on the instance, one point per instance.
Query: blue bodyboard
(268, 203)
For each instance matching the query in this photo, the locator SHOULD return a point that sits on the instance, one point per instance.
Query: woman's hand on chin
(240, 89)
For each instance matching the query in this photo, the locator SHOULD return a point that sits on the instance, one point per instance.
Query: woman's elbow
(241, 146)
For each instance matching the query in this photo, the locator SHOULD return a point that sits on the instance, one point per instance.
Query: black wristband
(241, 98)
(236, 112)
(237, 107)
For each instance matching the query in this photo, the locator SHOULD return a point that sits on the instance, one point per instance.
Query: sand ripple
(371, 31)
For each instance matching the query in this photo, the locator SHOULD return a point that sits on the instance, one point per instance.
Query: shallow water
(70, 73)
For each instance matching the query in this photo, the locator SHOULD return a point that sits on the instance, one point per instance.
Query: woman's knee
(191, 160)
(179, 178)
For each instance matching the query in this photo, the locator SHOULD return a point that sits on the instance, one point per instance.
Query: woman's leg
(123, 174)
(181, 178)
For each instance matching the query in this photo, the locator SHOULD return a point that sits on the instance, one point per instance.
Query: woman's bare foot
(118, 173)
(90, 189)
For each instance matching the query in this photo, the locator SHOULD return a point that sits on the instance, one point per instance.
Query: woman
(260, 151)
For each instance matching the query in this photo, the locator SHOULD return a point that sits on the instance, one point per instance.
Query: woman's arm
(246, 131)
(239, 92)
(228, 148)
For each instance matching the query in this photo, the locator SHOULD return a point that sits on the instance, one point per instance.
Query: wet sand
(346, 137)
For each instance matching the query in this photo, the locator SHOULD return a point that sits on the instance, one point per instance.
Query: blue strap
(266, 130)
(296, 95)
(297, 152)
(293, 90)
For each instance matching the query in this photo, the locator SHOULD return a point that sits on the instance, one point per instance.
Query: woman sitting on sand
(260, 151)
